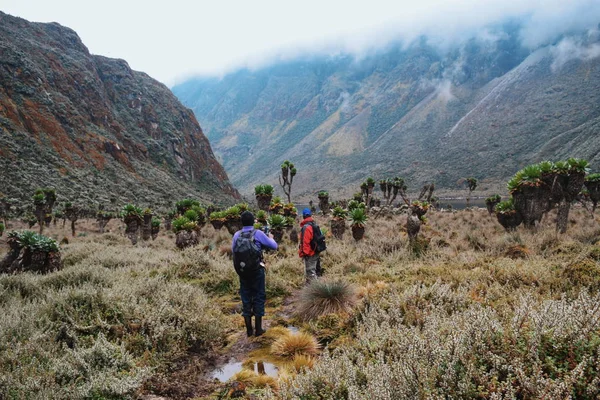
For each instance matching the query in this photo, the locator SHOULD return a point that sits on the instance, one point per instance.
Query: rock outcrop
(93, 128)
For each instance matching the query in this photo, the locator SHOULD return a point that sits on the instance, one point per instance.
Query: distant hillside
(93, 128)
(485, 108)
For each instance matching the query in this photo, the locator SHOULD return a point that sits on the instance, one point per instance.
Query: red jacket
(304, 248)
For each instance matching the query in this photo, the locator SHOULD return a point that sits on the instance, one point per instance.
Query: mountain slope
(484, 109)
(93, 128)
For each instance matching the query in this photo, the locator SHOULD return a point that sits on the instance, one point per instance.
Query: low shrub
(541, 349)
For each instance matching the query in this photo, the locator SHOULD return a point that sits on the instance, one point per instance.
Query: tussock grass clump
(274, 333)
(323, 296)
(263, 381)
(302, 361)
(288, 346)
(254, 380)
(245, 376)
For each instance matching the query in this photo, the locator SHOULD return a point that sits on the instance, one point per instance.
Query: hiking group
(247, 247)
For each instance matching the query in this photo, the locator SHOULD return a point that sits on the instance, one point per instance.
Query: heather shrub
(106, 370)
(102, 325)
(462, 349)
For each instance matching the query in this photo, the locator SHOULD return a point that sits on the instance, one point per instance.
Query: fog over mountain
(426, 107)
(172, 41)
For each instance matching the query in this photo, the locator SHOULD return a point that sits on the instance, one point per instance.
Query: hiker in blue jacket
(247, 246)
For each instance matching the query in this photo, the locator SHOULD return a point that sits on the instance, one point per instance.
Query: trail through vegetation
(473, 312)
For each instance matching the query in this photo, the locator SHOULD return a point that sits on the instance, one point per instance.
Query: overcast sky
(173, 40)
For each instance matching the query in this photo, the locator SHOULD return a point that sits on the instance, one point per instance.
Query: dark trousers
(252, 292)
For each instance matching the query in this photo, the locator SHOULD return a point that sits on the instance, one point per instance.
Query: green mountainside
(94, 129)
(485, 109)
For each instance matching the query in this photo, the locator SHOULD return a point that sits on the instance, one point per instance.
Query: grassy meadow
(473, 312)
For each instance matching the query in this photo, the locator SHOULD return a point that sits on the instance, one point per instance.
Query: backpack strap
(252, 233)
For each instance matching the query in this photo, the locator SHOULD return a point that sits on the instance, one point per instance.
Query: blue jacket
(259, 238)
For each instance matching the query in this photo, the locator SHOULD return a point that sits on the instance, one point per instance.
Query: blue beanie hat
(306, 212)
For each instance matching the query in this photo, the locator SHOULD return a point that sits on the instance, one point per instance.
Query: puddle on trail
(293, 329)
(224, 373)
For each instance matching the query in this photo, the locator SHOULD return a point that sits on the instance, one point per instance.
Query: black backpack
(317, 243)
(247, 256)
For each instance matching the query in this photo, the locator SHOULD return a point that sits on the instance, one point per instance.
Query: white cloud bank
(171, 40)
(570, 49)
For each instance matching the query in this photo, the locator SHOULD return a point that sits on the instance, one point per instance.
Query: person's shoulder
(258, 232)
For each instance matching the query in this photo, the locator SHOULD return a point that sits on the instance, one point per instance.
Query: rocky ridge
(93, 128)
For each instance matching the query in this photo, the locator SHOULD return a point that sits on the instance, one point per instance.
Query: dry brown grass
(302, 361)
(295, 343)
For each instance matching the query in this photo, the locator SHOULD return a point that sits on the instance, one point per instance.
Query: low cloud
(442, 88)
(177, 39)
(444, 91)
(446, 25)
(572, 49)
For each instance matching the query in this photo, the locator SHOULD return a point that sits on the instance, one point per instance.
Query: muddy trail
(204, 376)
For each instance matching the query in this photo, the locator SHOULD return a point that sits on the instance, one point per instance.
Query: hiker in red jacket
(305, 250)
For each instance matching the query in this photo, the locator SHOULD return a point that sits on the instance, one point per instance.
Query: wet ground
(225, 372)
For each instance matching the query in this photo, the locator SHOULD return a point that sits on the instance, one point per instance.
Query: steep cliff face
(93, 128)
(485, 108)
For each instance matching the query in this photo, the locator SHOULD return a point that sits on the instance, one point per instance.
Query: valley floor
(474, 312)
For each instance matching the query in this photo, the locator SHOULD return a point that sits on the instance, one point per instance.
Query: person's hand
(270, 235)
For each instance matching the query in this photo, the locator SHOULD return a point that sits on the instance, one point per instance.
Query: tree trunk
(217, 224)
(509, 221)
(185, 239)
(132, 226)
(147, 227)
(531, 202)
(11, 256)
(324, 205)
(562, 218)
(277, 235)
(263, 202)
(491, 206)
(39, 215)
(594, 190)
(233, 225)
(413, 226)
(358, 232)
(294, 235)
(168, 223)
(102, 224)
(73, 227)
(338, 227)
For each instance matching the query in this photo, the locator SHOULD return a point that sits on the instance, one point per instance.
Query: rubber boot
(259, 330)
(248, 321)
